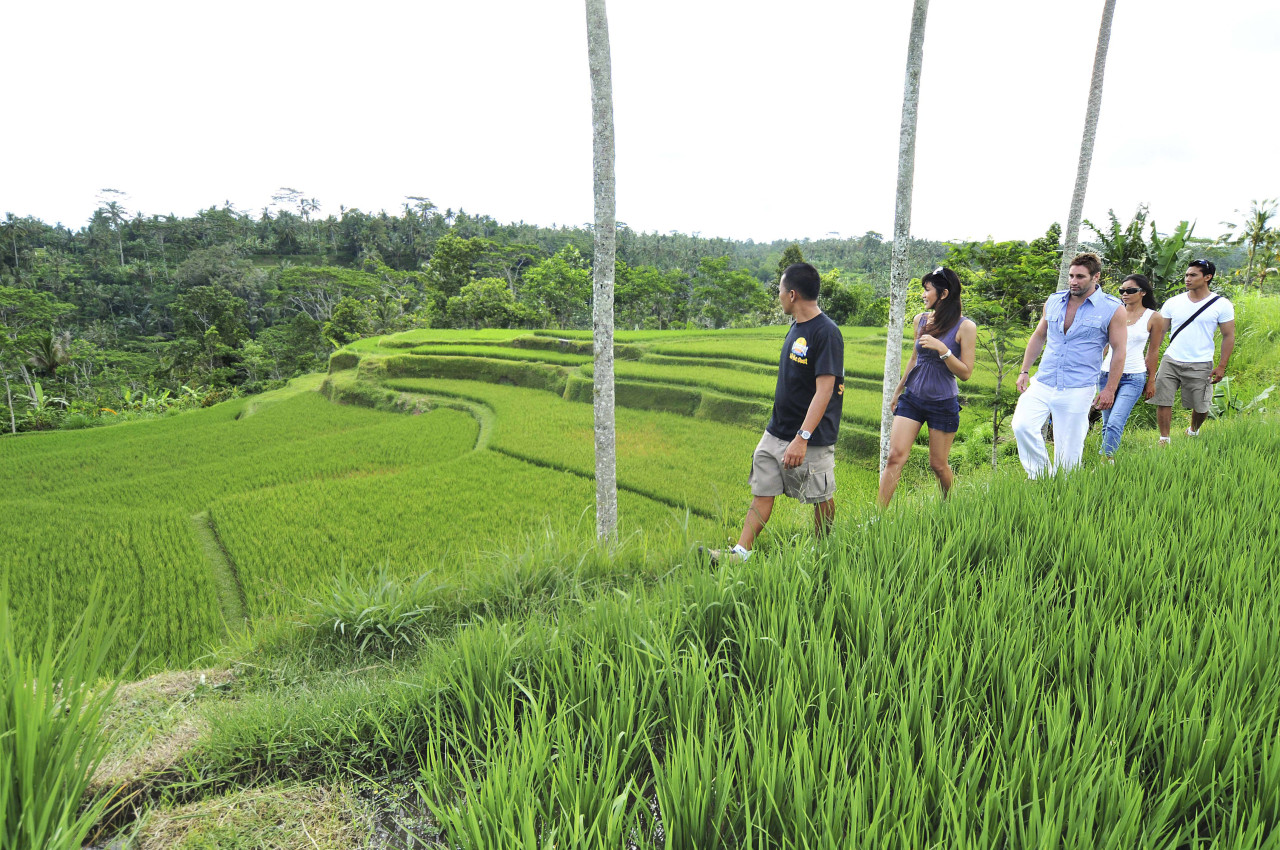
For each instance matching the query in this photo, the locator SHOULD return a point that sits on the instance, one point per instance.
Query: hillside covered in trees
(118, 312)
(136, 315)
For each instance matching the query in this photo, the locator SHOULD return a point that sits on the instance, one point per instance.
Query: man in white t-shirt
(1190, 320)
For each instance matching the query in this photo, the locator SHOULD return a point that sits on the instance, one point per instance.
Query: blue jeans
(1113, 420)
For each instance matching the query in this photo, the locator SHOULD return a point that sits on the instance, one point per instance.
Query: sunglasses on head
(1130, 290)
(1204, 264)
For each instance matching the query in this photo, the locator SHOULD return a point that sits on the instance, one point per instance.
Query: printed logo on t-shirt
(800, 351)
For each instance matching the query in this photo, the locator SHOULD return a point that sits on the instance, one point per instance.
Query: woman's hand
(928, 341)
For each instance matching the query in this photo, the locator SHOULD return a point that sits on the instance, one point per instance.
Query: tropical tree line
(187, 316)
(160, 307)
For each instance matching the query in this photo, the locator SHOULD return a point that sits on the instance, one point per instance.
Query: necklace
(1139, 316)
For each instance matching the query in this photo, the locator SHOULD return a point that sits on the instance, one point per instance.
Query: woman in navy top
(928, 393)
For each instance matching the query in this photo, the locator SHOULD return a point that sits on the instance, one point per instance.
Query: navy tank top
(931, 380)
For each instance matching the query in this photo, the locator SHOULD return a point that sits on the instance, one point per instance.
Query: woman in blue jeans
(928, 394)
(1146, 330)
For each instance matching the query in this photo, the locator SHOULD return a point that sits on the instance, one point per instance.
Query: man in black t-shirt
(796, 455)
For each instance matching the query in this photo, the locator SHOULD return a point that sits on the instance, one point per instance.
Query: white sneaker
(736, 555)
(1164, 441)
(1191, 433)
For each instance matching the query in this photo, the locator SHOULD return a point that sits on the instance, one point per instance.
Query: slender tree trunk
(26, 379)
(8, 395)
(995, 415)
(1071, 236)
(898, 277)
(603, 267)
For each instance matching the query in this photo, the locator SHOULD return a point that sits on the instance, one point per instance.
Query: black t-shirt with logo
(812, 348)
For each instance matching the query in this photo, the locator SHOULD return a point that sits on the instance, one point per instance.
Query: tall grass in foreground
(1085, 661)
(50, 740)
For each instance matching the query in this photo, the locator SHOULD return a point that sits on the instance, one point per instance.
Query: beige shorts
(1195, 379)
(812, 482)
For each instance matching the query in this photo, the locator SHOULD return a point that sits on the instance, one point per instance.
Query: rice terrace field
(250, 508)
(367, 610)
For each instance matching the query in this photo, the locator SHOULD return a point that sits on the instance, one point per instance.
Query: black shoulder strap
(1194, 316)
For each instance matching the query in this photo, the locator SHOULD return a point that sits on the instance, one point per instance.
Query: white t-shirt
(1194, 344)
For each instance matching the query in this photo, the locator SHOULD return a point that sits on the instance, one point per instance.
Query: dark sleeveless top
(931, 380)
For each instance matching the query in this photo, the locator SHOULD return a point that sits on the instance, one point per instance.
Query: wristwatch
(804, 435)
(944, 355)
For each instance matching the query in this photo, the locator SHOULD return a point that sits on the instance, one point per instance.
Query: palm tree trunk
(603, 267)
(898, 278)
(1070, 236)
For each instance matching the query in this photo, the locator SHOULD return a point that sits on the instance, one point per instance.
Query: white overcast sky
(761, 120)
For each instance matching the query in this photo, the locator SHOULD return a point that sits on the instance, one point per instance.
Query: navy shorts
(941, 416)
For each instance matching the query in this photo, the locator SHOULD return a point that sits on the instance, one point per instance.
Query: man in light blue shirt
(1077, 325)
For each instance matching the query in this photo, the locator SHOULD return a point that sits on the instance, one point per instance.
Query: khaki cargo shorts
(812, 482)
(1195, 379)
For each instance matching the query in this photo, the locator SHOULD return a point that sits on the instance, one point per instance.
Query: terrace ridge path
(225, 576)
(482, 413)
(485, 415)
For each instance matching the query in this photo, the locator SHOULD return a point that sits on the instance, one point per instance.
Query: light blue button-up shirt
(1073, 358)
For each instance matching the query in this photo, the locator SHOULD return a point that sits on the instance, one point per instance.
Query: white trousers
(1069, 410)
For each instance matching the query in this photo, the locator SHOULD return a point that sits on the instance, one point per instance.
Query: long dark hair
(946, 311)
(1148, 296)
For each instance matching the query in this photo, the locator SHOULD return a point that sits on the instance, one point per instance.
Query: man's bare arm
(1228, 345)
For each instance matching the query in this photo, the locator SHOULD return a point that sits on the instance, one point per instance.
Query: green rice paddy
(398, 559)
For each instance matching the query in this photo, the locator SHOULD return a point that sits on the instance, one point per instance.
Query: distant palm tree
(50, 351)
(1255, 232)
(1071, 236)
(605, 247)
(117, 214)
(898, 277)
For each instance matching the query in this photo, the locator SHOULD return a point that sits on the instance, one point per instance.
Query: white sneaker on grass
(736, 555)
(1191, 433)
